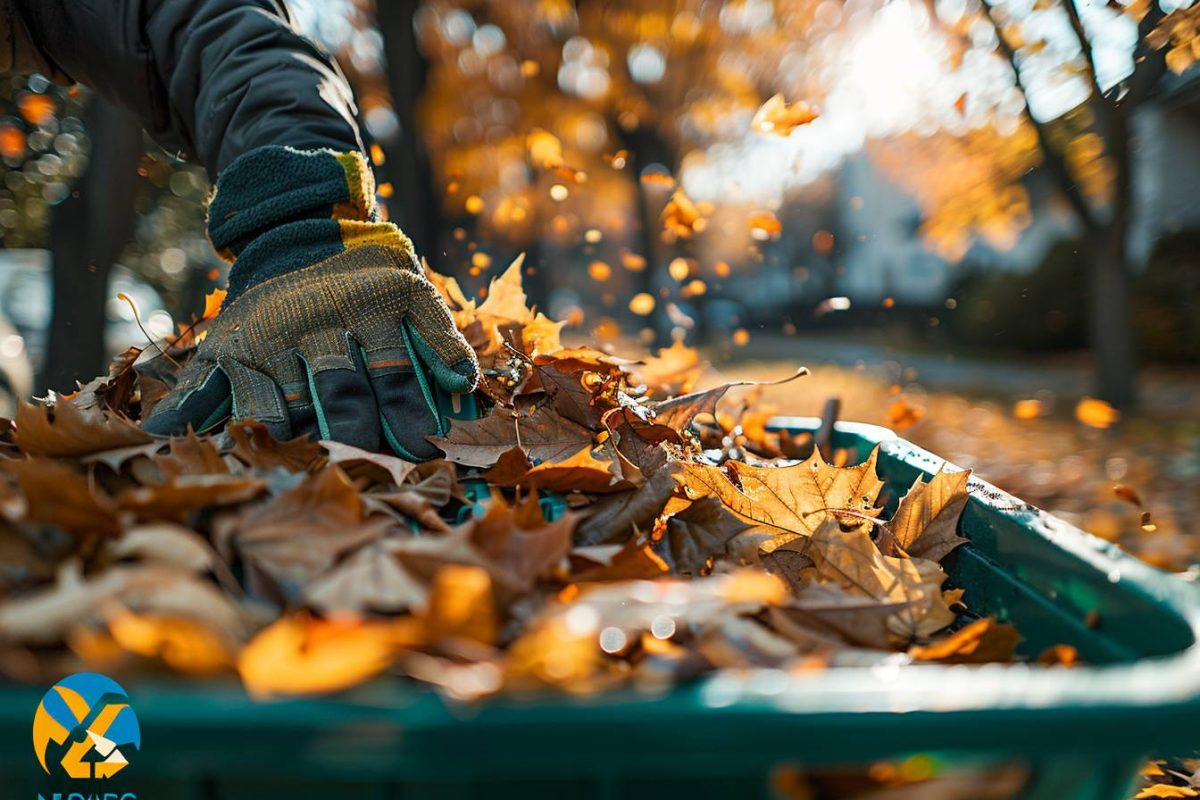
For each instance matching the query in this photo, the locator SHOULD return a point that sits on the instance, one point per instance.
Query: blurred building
(1166, 163)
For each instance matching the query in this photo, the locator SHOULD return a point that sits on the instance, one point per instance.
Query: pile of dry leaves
(601, 524)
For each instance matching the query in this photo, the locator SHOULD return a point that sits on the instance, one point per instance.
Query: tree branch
(1085, 45)
(1053, 159)
(1149, 63)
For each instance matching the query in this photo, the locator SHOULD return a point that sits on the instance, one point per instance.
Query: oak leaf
(254, 446)
(65, 431)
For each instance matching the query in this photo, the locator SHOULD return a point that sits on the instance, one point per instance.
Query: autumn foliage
(602, 523)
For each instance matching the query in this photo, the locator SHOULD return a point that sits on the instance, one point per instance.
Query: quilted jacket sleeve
(211, 79)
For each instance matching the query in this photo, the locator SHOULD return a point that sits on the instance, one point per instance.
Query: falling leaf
(1096, 413)
(902, 415)
(212, 303)
(779, 117)
(926, 521)
(681, 219)
(1128, 494)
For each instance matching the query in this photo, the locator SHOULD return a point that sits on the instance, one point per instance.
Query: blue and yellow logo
(84, 727)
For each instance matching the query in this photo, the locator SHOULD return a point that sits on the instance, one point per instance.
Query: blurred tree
(88, 231)
(1053, 46)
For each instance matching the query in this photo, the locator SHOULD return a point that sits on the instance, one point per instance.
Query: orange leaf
(212, 303)
(1096, 413)
(300, 655)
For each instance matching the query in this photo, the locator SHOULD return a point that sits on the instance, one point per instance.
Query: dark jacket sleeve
(210, 78)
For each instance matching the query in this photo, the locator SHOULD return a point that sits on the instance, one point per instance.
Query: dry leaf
(795, 499)
(300, 655)
(984, 640)
(300, 534)
(254, 445)
(697, 535)
(64, 431)
(926, 520)
(57, 495)
(379, 466)
(370, 579)
(850, 559)
(543, 435)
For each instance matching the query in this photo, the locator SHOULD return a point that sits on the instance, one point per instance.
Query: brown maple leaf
(544, 435)
(926, 521)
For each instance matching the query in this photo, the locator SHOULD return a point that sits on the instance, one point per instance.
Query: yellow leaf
(927, 518)
(796, 499)
(850, 559)
(1166, 790)
(506, 298)
(212, 303)
(300, 655)
(183, 644)
(779, 117)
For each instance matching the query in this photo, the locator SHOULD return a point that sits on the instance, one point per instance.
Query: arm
(212, 78)
(329, 328)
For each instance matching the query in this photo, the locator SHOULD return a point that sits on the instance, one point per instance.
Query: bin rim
(1142, 693)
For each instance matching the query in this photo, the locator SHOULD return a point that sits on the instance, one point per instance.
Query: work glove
(329, 327)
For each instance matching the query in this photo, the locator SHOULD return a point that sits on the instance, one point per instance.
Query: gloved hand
(329, 326)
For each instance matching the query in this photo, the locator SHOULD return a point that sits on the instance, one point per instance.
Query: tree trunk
(1111, 317)
(646, 146)
(88, 231)
(407, 166)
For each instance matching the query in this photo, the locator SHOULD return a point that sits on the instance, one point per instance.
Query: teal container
(1079, 733)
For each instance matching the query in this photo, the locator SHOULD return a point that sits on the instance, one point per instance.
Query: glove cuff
(276, 209)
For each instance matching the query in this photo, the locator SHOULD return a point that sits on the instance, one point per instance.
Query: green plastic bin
(1081, 732)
